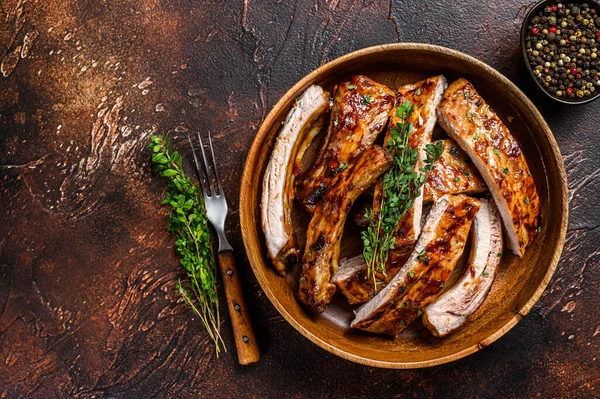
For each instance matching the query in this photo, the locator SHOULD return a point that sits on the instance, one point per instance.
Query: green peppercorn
(539, 46)
(563, 24)
(562, 42)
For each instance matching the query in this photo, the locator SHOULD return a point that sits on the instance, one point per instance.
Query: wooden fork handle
(245, 341)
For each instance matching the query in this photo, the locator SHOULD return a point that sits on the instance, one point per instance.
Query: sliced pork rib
(321, 254)
(352, 279)
(453, 173)
(497, 155)
(360, 111)
(422, 278)
(453, 307)
(304, 121)
(424, 96)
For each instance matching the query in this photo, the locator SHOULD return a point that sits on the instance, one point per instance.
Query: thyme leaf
(400, 186)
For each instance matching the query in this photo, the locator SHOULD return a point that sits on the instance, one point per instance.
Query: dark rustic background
(87, 271)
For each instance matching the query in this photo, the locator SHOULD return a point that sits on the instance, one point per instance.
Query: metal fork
(216, 211)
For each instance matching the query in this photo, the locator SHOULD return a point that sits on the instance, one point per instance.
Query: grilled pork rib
(360, 111)
(453, 173)
(453, 307)
(424, 96)
(320, 259)
(497, 155)
(422, 278)
(352, 279)
(304, 121)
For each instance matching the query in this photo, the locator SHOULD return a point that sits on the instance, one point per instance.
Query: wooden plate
(519, 282)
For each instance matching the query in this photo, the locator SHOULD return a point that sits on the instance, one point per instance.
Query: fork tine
(208, 178)
(198, 172)
(212, 154)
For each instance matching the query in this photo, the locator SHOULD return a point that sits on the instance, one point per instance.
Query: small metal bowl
(526, 21)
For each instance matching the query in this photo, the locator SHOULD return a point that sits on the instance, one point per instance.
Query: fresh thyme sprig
(400, 186)
(188, 222)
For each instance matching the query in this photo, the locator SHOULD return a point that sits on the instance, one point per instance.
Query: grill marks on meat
(304, 121)
(320, 260)
(453, 173)
(477, 129)
(360, 111)
(422, 278)
(424, 96)
(451, 310)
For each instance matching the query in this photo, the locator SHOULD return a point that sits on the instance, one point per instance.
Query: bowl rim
(523, 32)
(246, 194)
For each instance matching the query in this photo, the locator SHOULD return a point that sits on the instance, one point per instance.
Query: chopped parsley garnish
(340, 168)
(352, 86)
(411, 274)
(527, 200)
(456, 179)
(485, 273)
(366, 99)
(467, 94)
(467, 173)
(405, 304)
(420, 312)
(496, 151)
(499, 254)
(442, 285)
(423, 258)
(505, 170)
(418, 92)
(454, 151)
(475, 136)
(469, 115)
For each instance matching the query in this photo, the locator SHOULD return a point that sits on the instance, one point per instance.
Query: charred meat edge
(451, 310)
(320, 258)
(359, 113)
(424, 96)
(304, 121)
(422, 278)
(467, 118)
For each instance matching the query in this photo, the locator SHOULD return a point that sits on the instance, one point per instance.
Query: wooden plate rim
(247, 214)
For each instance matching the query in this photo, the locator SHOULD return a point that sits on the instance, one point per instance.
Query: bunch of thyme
(400, 186)
(188, 222)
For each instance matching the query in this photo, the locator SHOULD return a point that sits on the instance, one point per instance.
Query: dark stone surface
(87, 305)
